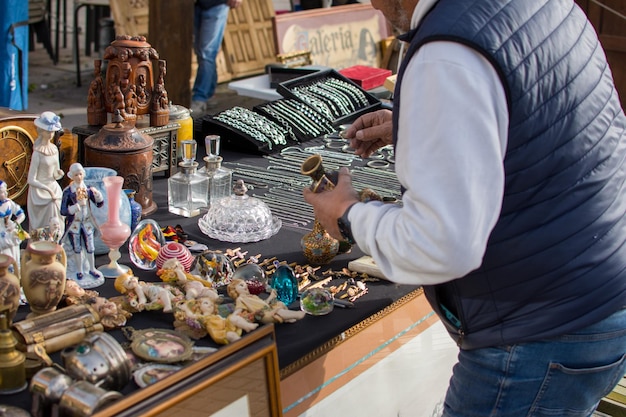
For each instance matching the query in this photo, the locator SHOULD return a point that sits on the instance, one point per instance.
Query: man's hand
(233, 4)
(370, 132)
(330, 205)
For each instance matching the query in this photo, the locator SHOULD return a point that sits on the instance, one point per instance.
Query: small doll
(201, 314)
(111, 314)
(254, 308)
(193, 286)
(145, 295)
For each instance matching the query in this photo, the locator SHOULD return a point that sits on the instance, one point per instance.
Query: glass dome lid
(239, 218)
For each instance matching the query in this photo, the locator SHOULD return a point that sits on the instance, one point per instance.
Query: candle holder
(114, 232)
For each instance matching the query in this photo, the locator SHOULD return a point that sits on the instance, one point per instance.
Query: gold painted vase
(318, 246)
(43, 275)
(9, 287)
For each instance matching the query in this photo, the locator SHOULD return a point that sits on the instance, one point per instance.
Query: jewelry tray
(287, 89)
(235, 139)
(302, 133)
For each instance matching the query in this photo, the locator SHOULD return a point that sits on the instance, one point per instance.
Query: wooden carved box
(130, 85)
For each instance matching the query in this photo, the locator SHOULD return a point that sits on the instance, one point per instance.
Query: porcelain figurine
(254, 308)
(11, 234)
(80, 226)
(75, 294)
(145, 295)
(44, 192)
(202, 312)
(111, 314)
(193, 286)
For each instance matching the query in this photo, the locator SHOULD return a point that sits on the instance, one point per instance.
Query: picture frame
(240, 379)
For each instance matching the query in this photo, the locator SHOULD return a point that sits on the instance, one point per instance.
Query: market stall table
(300, 344)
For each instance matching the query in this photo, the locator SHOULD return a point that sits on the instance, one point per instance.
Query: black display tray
(285, 90)
(238, 141)
(281, 74)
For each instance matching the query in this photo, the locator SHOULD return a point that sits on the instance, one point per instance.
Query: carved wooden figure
(129, 85)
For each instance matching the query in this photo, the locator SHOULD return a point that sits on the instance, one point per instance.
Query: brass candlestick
(12, 370)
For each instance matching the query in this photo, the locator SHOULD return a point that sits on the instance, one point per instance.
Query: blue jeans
(562, 377)
(209, 28)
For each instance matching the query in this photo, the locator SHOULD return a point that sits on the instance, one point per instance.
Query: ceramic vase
(9, 287)
(135, 208)
(318, 246)
(94, 178)
(114, 231)
(43, 273)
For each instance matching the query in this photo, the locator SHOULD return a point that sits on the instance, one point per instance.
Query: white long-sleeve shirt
(452, 136)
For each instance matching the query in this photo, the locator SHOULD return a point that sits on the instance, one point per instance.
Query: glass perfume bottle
(187, 190)
(220, 178)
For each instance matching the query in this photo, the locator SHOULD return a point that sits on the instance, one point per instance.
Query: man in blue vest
(510, 147)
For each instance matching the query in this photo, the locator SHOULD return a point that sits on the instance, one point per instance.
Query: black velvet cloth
(294, 340)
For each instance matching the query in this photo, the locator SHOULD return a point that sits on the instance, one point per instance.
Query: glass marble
(144, 244)
(316, 301)
(215, 267)
(254, 276)
(285, 283)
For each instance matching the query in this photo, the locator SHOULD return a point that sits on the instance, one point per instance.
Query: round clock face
(16, 146)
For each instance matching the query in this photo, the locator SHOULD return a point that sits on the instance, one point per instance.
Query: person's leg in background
(564, 377)
(209, 25)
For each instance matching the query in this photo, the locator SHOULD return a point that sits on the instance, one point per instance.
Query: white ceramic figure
(254, 308)
(11, 216)
(80, 225)
(146, 295)
(44, 192)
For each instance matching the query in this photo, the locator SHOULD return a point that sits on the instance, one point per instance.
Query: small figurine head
(49, 122)
(207, 306)
(4, 193)
(75, 169)
(236, 288)
(72, 289)
(54, 225)
(122, 281)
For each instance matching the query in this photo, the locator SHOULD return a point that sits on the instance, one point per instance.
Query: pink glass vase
(114, 231)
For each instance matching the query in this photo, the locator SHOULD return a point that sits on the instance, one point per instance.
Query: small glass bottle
(220, 178)
(187, 190)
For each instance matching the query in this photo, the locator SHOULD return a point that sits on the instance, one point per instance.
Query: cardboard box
(366, 77)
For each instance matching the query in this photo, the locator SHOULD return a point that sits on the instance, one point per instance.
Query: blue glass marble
(285, 283)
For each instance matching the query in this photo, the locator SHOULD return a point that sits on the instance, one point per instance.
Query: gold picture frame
(295, 59)
(240, 379)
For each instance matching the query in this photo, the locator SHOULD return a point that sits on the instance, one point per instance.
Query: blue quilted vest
(556, 259)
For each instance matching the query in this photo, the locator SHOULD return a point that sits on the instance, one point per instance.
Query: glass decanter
(220, 178)
(187, 190)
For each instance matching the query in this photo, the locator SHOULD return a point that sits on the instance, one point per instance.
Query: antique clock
(17, 135)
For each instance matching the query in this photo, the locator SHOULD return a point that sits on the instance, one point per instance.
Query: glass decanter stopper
(187, 190)
(220, 178)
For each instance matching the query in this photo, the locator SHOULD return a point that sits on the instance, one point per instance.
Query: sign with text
(338, 37)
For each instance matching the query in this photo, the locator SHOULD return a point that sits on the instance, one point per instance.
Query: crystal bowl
(239, 218)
